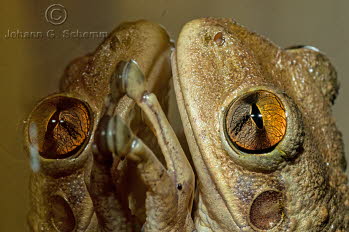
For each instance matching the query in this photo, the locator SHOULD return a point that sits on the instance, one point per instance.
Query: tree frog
(260, 149)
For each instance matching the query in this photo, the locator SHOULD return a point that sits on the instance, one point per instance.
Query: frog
(290, 177)
(77, 184)
(260, 149)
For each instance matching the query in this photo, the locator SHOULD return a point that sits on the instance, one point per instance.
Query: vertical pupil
(53, 122)
(63, 125)
(256, 121)
(256, 116)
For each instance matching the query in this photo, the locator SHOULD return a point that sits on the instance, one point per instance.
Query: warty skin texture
(95, 191)
(133, 184)
(311, 177)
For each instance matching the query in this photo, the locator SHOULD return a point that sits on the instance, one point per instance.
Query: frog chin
(205, 220)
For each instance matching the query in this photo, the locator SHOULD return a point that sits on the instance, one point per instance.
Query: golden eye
(59, 127)
(256, 122)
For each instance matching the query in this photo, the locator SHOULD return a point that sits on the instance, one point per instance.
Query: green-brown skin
(93, 191)
(311, 177)
(154, 189)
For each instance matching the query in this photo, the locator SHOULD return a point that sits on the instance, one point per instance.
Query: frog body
(266, 154)
(211, 73)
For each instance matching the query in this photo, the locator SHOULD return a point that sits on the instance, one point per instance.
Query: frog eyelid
(272, 158)
(304, 47)
(318, 69)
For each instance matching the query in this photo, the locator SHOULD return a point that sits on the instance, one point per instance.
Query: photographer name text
(54, 34)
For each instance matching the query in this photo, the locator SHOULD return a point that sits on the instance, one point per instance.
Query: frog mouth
(203, 212)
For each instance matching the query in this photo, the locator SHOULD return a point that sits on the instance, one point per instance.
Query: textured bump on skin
(314, 184)
(214, 58)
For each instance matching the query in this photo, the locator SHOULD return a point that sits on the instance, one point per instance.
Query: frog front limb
(170, 195)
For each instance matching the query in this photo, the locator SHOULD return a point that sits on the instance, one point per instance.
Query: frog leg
(111, 208)
(162, 194)
(111, 213)
(170, 196)
(152, 172)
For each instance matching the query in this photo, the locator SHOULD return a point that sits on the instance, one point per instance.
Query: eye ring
(35, 132)
(270, 158)
(256, 122)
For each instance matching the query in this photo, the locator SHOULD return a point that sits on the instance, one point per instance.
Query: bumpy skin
(297, 185)
(91, 193)
(210, 71)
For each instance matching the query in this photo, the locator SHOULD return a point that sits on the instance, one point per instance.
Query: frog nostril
(219, 39)
(267, 210)
(62, 215)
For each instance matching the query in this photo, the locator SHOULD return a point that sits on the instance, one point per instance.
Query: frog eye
(256, 121)
(59, 127)
(260, 128)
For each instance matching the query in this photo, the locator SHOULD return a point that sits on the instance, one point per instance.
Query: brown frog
(77, 184)
(257, 120)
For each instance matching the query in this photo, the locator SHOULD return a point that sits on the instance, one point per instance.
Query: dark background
(31, 68)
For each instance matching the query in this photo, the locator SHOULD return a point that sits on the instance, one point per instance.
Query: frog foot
(171, 189)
